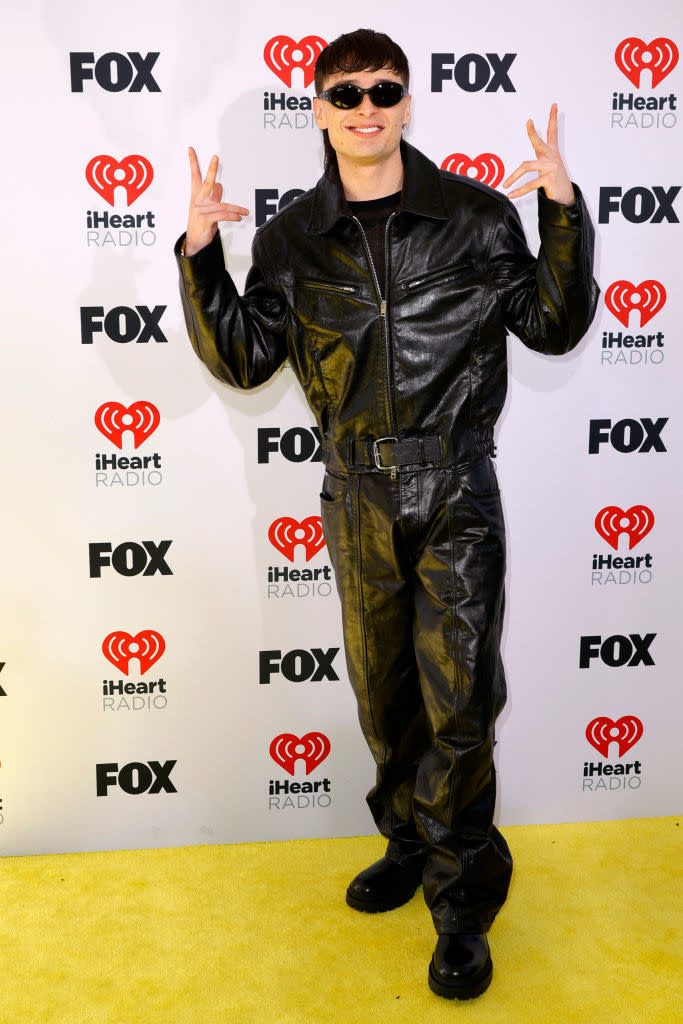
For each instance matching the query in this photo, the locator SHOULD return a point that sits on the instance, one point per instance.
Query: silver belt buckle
(378, 456)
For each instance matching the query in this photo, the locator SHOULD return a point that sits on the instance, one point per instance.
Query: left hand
(552, 174)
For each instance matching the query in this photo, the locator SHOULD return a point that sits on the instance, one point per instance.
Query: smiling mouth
(365, 130)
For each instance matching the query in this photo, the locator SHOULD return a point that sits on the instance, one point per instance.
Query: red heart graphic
(105, 174)
(312, 748)
(625, 732)
(488, 167)
(147, 646)
(141, 418)
(634, 56)
(648, 297)
(282, 54)
(636, 521)
(285, 533)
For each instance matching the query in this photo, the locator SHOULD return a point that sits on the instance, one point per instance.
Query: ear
(319, 113)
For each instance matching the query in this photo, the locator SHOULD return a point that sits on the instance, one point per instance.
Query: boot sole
(459, 990)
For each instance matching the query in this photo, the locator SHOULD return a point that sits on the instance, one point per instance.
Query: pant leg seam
(361, 615)
(455, 640)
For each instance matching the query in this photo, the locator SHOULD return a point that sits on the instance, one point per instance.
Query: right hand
(206, 208)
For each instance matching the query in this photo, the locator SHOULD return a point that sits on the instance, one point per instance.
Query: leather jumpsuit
(406, 391)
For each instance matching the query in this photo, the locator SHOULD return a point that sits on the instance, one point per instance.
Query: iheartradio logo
(141, 418)
(636, 522)
(147, 646)
(625, 732)
(633, 56)
(487, 167)
(286, 533)
(133, 173)
(647, 298)
(282, 54)
(287, 749)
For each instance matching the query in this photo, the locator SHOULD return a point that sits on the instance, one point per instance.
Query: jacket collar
(421, 192)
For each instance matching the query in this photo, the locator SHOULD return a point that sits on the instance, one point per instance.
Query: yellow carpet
(260, 933)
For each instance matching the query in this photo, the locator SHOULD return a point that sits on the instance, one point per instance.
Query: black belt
(389, 453)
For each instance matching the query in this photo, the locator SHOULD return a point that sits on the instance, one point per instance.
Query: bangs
(363, 50)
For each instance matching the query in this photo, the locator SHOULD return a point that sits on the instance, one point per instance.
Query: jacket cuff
(207, 263)
(561, 215)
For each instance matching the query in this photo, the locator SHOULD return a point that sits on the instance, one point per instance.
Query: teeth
(366, 130)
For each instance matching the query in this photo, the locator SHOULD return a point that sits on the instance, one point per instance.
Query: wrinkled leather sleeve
(548, 303)
(241, 339)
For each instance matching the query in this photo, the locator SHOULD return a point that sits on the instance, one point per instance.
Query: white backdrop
(203, 604)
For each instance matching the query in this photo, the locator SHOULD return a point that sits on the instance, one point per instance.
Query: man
(390, 287)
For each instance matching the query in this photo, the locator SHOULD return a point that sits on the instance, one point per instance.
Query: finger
(211, 215)
(535, 139)
(210, 179)
(226, 215)
(552, 127)
(195, 173)
(524, 168)
(233, 208)
(205, 208)
(216, 193)
(530, 186)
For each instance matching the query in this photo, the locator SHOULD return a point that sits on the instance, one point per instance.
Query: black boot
(461, 966)
(385, 885)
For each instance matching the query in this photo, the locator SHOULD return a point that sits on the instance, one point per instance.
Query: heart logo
(633, 56)
(141, 418)
(147, 646)
(282, 54)
(105, 174)
(285, 533)
(636, 521)
(625, 732)
(648, 297)
(312, 748)
(487, 167)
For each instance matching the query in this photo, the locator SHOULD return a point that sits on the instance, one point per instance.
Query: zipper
(328, 286)
(383, 315)
(435, 275)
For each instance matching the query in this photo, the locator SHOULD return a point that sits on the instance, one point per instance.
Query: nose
(367, 107)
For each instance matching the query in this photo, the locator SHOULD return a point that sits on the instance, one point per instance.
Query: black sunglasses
(346, 96)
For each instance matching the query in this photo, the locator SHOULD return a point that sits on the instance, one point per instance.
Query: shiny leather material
(418, 551)
(385, 885)
(461, 967)
(420, 563)
(459, 277)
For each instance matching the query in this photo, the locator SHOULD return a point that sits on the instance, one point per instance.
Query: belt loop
(421, 449)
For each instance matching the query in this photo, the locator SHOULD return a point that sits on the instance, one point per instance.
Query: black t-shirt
(373, 215)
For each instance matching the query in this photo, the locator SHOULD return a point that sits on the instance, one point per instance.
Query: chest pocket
(331, 313)
(317, 284)
(436, 278)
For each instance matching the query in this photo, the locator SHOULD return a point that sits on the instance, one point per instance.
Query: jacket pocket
(333, 490)
(480, 479)
(319, 284)
(437, 276)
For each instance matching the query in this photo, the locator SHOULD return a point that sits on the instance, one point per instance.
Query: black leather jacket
(431, 360)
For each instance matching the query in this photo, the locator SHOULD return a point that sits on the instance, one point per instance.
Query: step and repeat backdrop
(171, 662)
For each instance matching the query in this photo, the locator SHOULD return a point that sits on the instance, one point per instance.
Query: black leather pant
(420, 562)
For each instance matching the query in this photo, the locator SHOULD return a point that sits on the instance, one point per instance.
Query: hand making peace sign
(206, 208)
(552, 174)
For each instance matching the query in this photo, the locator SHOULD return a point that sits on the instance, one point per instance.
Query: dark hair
(362, 50)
